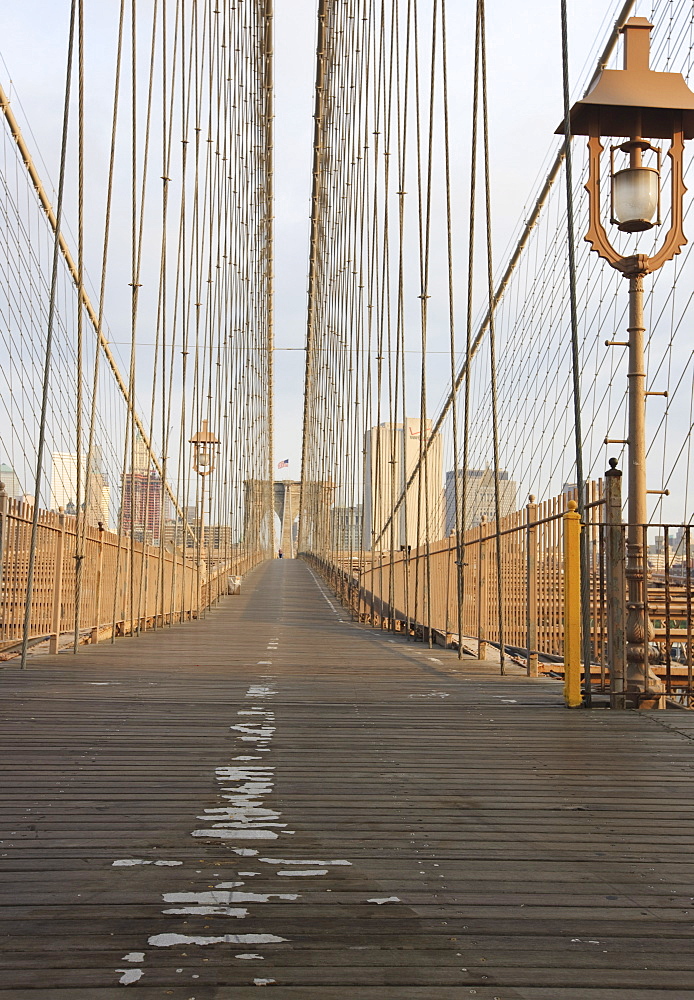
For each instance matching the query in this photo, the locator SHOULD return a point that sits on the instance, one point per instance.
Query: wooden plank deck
(276, 797)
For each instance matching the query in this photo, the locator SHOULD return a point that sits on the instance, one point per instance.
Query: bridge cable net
(415, 499)
(136, 326)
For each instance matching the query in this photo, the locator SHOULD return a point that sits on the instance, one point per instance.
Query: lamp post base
(644, 700)
(644, 689)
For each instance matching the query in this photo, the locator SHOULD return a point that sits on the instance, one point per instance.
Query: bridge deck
(396, 825)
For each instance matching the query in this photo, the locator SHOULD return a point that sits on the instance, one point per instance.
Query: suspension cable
(49, 344)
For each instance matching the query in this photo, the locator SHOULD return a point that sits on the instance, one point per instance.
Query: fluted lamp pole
(636, 104)
(204, 444)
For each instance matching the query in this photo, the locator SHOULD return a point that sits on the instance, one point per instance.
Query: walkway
(276, 797)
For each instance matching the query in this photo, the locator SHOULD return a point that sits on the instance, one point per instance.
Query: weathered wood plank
(483, 843)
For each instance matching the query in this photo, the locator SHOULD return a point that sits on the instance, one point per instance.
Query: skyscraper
(347, 528)
(480, 496)
(64, 479)
(10, 478)
(142, 497)
(64, 487)
(392, 453)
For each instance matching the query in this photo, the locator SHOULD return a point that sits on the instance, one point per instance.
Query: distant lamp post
(636, 102)
(204, 445)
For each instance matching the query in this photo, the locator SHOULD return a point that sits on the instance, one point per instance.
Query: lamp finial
(637, 44)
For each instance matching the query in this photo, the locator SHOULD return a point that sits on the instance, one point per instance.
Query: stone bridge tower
(286, 495)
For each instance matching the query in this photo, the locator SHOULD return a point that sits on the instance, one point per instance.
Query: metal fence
(127, 586)
(512, 578)
(670, 608)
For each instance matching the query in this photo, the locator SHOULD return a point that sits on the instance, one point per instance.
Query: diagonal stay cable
(53, 219)
(510, 268)
(575, 362)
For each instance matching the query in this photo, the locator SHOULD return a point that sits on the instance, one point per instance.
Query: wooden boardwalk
(275, 797)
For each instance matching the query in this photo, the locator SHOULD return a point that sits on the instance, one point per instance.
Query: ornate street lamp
(204, 445)
(637, 104)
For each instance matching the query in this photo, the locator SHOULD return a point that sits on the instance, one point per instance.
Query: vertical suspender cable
(104, 259)
(492, 335)
(516, 256)
(81, 498)
(451, 324)
(146, 513)
(184, 450)
(49, 343)
(575, 360)
(313, 268)
(403, 520)
(422, 404)
(461, 524)
(159, 603)
(269, 153)
(133, 306)
(423, 435)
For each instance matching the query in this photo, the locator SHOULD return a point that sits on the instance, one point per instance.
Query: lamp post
(204, 443)
(639, 104)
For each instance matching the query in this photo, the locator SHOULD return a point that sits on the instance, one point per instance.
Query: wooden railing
(126, 585)
(419, 590)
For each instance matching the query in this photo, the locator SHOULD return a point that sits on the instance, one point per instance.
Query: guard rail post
(615, 563)
(482, 592)
(531, 586)
(58, 584)
(572, 606)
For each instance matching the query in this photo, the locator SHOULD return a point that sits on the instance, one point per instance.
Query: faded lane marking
(432, 694)
(131, 862)
(170, 940)
(243, 816)
(298, 872)
(303, 862)
(130, 976)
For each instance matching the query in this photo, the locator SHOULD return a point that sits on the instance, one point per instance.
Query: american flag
(283, 464)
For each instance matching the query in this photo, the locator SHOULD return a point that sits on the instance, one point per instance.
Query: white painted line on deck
(130, 976)
(242, 815)
(171, 940)
(297, 872)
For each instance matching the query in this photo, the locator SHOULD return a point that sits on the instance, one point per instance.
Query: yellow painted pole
(572, 607)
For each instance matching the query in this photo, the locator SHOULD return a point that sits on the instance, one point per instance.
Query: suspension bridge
(414, 721)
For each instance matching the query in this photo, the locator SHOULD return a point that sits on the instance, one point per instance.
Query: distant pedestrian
(279, 554)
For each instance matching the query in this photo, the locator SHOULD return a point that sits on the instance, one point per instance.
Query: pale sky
(525, 104)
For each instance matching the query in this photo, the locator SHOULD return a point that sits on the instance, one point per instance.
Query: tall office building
(347, 528)
(99, 499)
(141, 505)
(64, 487)
(480, 497)
(64, 479)
(392, 453)
(142, 497)
(142, 460)
(10, 478)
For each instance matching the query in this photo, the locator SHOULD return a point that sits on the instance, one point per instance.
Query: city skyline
(392, 452)
(480, 496)
(64, 488)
